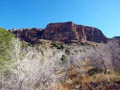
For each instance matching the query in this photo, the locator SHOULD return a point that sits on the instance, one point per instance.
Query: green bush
(94, 71)
(108, 71)
(57, 45)
(64, 59)
(5, 45)
(67, 51)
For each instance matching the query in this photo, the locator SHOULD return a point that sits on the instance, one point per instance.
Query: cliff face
(68, 31)
(65, 32)
(28, 34)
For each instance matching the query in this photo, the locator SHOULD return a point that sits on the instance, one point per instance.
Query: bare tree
(15, 55)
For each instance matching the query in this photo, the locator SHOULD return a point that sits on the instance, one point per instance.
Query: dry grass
(110, 78)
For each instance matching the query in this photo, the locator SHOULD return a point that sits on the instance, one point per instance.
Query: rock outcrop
(28, 34)
(117, 38)
(66, 32)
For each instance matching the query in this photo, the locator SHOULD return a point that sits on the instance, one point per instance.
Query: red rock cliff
(68, 31)
(65, 32)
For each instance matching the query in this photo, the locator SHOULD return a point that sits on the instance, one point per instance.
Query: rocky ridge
(65, 32)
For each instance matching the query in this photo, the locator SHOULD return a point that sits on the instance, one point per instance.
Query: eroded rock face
(28, 34)
(66, 32)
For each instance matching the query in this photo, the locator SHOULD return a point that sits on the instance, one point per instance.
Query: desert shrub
(113, 78)
(108, 71)
(57, 45)
(94, 71)
(64, 59)
(82, 43)
(31, 44)
(67, 51)
(117, 81)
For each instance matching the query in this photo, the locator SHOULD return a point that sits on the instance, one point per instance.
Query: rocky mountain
(65, 32)
(89, 60)
(28, 34)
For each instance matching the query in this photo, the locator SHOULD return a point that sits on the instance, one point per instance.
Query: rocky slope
(65, 32)
(57, 66)
(47, 64)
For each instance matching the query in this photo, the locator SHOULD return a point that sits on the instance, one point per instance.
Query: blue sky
(103, 14)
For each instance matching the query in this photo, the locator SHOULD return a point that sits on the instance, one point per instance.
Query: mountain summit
(65, 32)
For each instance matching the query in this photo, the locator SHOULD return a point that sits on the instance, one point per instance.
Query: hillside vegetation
(51, 65)
(5, 49)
